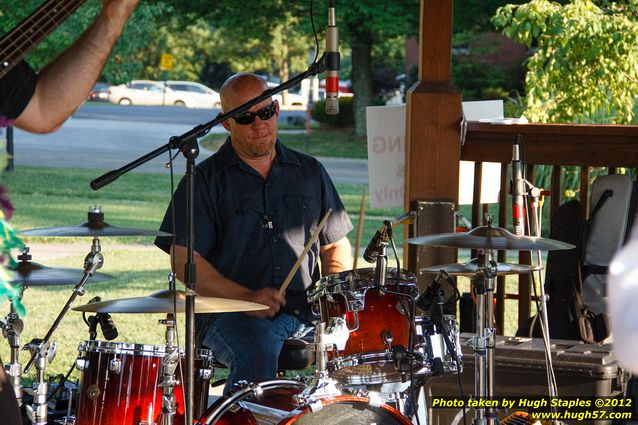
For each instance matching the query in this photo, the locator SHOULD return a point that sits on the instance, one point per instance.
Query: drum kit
(373, 352)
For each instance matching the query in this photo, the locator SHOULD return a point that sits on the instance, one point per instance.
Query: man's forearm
(64, 83)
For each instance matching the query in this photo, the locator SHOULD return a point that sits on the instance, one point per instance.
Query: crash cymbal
(489, 237)
(471, 268)
(28, 273)
(89, 229)
(162, 302)
(95, 227)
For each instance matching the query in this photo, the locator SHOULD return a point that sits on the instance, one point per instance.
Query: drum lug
(115, 366)
(82, 364)
(205, 373)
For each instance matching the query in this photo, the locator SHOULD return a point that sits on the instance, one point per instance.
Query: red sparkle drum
(119, 382)
(377, 320)
(275, 402)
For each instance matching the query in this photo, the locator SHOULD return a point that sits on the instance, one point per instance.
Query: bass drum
(273, 402)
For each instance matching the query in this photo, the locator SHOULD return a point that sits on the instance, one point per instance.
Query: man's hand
(267, 296)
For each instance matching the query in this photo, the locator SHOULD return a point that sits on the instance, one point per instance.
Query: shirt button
(277, 268)
(297, 311)
(275, 239)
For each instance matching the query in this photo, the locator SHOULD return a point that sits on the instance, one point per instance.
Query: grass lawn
(45, 197)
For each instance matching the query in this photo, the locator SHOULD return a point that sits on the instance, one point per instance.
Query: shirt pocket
(239, 218)
(302, 213)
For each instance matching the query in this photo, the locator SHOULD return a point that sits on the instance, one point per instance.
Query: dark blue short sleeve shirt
(252, 229)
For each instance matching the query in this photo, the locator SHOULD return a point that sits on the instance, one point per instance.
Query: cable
(314, 32)
(61, 383)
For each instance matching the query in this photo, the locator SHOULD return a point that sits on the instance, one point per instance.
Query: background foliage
(585, 62)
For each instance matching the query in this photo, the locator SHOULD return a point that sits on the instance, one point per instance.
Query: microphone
(371, 254)
(106, 322)
(332, 63)
(517, 188)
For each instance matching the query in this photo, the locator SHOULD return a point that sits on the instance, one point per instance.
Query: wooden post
(433, 146)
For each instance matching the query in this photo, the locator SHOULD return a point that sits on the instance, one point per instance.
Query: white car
(293, 99)
(147, 92)
(201, 95)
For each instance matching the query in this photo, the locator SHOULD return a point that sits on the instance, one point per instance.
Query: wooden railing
(556, 145)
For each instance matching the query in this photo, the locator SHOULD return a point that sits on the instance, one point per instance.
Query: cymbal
(95, 227)
(471, 268)
(488, 237)
(162, 302)
(92, 230)
(28, 273)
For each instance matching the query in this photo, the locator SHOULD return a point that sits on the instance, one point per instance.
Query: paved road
(106, 137)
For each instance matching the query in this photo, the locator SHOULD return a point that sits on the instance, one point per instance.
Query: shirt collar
(227, 157)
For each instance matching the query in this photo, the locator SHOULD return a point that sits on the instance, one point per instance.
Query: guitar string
(41, 17)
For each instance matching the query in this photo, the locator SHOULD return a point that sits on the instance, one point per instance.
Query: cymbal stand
(92, 262)
(328, 337)
(483, 342)
(12, 327)
(169, 365)
(41, 352)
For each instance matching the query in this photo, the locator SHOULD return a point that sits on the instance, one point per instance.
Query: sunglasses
(264, 114)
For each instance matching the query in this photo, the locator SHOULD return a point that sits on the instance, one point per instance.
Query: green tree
(122, 65)
(585, 64)
(361, 24)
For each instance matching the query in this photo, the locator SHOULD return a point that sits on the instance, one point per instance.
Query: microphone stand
(187, 144)
(93, 261)
(535, 230)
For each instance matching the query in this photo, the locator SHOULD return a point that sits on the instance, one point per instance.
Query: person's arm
(210, 283)
(336, 257)
(64, 83)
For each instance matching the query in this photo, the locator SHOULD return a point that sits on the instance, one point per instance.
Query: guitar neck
(15, 45)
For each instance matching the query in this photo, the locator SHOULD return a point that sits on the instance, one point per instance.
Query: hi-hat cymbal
(28, 273)
(471, 269)
(488, 237)
(162, 302)
(95, 227)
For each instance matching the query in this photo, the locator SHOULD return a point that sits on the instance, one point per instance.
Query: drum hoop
(144, 350)
(360, 359)
(233, 398)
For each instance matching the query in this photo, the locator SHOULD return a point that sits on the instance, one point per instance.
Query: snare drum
(431, 344)
(376, 320)
(119, 382)
(273, 402)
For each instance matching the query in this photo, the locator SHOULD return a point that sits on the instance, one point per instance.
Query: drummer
(257, 203)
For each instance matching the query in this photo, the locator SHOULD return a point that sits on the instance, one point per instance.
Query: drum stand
(41, 352)
(483, 342)
(12, 327)
(169, 365)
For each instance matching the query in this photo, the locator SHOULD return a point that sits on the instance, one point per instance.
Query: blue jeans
(249, 346)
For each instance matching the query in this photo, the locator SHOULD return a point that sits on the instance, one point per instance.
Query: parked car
(147, 92)
(100, 92)
(293, 96)
(203, 96)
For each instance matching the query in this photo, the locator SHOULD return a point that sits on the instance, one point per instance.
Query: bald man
(257, 204)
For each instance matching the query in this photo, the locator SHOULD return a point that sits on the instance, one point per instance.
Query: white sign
(386, 156)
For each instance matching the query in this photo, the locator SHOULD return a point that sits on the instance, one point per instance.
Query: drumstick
(357, 243)
(312, 240)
